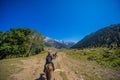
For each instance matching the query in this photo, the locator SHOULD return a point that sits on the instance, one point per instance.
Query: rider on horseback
(49, 60)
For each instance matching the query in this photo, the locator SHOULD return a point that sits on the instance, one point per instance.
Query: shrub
(92, 58)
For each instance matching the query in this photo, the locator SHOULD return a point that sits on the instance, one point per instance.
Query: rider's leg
(44, 67)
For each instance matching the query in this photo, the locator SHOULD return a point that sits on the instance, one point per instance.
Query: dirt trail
(31, 69)
(66, 69)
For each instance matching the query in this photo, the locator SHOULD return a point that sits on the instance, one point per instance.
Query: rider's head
(48, 53)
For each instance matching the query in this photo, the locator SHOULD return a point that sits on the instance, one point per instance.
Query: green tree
(20, 42)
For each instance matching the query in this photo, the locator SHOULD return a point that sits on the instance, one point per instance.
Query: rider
(49, 60)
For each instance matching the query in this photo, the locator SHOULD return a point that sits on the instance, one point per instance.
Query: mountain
(57, 43)
(69, 44)
(106, 37)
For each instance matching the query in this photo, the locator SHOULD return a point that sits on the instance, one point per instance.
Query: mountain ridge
(106, 37)
(58, 43)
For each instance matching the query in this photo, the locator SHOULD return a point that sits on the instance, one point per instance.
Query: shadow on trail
(41, 77)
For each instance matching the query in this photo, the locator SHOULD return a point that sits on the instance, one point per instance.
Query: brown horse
(48, 71)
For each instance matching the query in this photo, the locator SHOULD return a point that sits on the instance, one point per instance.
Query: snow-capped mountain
(58, 43)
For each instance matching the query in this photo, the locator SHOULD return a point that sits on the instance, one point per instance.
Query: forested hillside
(20, 42)
(106, 37)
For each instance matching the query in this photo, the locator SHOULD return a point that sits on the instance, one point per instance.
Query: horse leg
(48, 76)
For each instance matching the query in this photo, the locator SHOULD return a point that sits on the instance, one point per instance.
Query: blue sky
(68, 20)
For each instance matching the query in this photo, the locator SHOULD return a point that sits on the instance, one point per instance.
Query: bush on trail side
(20, 42)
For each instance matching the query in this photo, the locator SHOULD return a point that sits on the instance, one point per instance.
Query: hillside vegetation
(106, 37)
(102, 46)
(103, 56)
(20, 42)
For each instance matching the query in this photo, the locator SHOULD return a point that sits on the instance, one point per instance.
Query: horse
(55, 55)
(49, 71)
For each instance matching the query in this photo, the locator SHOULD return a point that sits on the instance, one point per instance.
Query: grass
(9, 66)
(96, 58)
(103, 56)
(62, 74)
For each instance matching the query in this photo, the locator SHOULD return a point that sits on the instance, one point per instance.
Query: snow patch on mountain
(58, 43)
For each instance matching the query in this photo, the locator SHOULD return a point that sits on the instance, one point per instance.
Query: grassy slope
(92, 58)
(103, 56)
